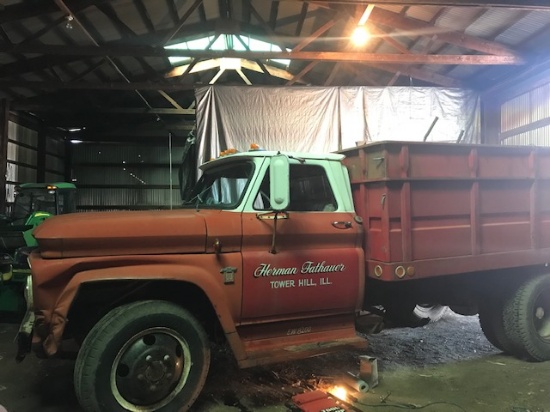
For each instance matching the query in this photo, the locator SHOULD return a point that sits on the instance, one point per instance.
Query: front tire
(144, 356)
(527, 318)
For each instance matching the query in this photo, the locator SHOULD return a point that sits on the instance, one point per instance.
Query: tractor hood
(122, 233)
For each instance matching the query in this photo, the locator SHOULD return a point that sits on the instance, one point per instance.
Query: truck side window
(261, 201)
(310, 190)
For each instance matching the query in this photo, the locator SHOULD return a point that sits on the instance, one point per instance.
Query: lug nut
(149, 358)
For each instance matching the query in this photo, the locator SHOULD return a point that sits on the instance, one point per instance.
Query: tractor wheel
(527, 318)
(144, 356)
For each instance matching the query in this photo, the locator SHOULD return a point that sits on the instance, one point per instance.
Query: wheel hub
(541, 320)
(149, 368)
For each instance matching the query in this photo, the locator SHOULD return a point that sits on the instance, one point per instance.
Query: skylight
(226, 42)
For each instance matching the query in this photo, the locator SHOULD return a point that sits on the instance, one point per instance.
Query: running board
(289, 340)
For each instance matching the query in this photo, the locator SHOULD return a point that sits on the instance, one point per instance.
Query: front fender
(202, 276)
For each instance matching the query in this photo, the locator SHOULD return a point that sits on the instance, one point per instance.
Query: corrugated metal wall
(23, 155)
(129, 176)
(525, 119)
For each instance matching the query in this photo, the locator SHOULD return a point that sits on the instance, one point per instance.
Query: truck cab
(266, 252)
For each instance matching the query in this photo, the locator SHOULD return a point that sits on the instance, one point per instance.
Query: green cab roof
(55, 185)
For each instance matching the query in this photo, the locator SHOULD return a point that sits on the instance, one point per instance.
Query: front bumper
(24, 336)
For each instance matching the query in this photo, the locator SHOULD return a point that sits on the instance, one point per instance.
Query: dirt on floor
(444, 366)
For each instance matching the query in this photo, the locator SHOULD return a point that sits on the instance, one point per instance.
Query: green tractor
(34, 203)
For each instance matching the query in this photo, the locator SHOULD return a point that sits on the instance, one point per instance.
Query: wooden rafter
(420, 74)
(144, 14)
(302, 19)
(414, 27)
(137, 51)
(518, 4)
(181, 22)
(270, 33)
(315, 35)
(302, 73)
(103, 109)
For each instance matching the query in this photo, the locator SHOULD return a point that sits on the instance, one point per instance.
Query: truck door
(317, 259)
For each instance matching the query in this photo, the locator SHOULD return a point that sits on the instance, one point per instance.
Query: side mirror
(279, 176)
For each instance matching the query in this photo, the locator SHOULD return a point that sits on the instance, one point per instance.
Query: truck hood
(122, 233)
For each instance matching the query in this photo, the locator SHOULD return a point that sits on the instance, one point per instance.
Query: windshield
(221, 187)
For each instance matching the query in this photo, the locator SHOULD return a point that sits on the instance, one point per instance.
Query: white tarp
(327, 119)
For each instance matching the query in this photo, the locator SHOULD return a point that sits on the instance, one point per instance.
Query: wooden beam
(144, 14)
(302, 73)
(315, 35)
(302, 19)
(420, 74)
(270, 33)
(516, 4)
(170, 99)
(273, 14)
(139, 51)
(182, 21)
(274, 71)
(50, 85)
(23, 11)
(48, 108)
(414, 27)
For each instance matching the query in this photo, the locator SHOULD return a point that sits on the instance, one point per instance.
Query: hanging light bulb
(69, 24)
(360, 36)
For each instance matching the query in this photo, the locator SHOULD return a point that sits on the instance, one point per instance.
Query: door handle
(341, 225)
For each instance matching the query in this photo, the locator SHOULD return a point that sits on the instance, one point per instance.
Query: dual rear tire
(518, 322)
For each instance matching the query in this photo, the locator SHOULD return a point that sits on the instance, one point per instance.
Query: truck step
(283, 341)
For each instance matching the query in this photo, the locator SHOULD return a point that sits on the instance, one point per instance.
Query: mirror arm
(273, 250)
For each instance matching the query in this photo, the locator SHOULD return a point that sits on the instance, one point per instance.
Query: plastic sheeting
(327, 119)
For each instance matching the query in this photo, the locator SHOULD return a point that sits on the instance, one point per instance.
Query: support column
(41, 155)
(68, 160)
(490, 120)
(4, 120)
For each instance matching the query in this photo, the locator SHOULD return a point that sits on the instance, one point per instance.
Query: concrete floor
(450, 363)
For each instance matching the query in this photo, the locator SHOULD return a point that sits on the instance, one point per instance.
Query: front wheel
(144, 356)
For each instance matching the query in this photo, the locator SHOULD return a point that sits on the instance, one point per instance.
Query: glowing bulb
(339, 392)
(360, 36)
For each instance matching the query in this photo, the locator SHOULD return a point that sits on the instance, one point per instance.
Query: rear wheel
(491, 320)
(144, 356)
(527, 318)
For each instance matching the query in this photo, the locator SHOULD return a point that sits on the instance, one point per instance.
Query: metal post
(4, 120)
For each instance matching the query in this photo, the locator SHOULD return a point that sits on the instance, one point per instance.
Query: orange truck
(278, 253)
